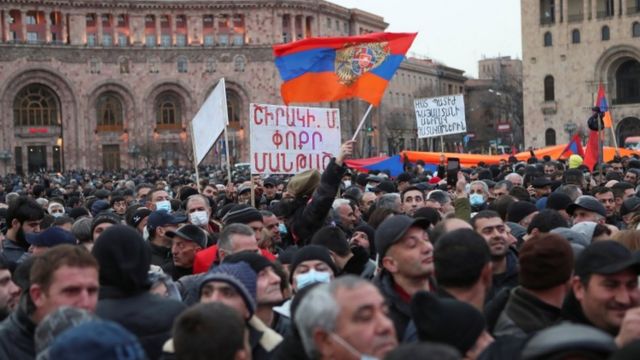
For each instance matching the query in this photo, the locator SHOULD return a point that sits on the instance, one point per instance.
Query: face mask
(312, 277)
(476, 199)
(368, 188)
(199, 218)
(164, 205)
(57, 214)
(346, 183)
(351, 349)
(282, 228)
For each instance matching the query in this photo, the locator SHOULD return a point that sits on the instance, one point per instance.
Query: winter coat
(525, 314)
(399, 310)
(16, 336)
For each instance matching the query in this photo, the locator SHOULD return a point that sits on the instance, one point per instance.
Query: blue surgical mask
(476, 199)
(312, 277)
(164, 205)
(282, 228)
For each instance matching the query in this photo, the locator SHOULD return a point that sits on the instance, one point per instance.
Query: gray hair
(388, 201)
(198, 196)
(571, 190)
(339, 202)
(224, 243)
(81, 229)
(513, 176)
(319, 310)
(439, 196)
(504, 184)
(484, 185)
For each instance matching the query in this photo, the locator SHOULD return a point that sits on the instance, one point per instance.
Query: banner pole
(226, 150)
(195, 164)
(441, 143)
(362, 122)
(253, 192)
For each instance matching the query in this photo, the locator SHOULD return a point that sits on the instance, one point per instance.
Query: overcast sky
(455, 32)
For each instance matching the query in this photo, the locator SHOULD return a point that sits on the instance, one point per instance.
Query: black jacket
(508, 279)
(16, 335)
(399, 311)
(526, 314)
(309, 214)
(148, 316)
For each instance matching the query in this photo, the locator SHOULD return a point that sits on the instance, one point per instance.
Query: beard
(21, 239)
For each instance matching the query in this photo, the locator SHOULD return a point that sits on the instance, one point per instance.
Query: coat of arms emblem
(353, 61)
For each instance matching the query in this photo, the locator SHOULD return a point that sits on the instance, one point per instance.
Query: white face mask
(199, 218)
(163, 205)
(347, 184)
(57, 214)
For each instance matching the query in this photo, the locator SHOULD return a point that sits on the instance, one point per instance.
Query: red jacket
(208, 256)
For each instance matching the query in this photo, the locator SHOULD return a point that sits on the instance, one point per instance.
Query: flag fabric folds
(592, 152)
(602, 103)
(334, 68)
(573, 147)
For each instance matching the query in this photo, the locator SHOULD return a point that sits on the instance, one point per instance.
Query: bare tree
(149, 152)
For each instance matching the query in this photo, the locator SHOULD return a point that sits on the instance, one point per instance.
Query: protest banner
(209, 122)
(289, 139)
(440, 116)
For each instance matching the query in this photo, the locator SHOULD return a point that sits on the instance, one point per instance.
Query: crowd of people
(517, 260)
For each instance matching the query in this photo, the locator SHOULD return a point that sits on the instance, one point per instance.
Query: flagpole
(362, 122)
(195, 159)
(226, 150)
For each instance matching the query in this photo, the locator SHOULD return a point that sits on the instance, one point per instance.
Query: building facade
(114, 84)
(494, 106)
(569, 47)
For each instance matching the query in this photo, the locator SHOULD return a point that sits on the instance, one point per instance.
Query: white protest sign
(290, 139)
(440, 116)
(209, 122)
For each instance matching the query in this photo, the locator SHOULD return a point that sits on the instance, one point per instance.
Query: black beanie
(447, 321)
(371, 235)
(520, 210)
(257, 262)
(312, 252)
(558, 201)
(242, 214)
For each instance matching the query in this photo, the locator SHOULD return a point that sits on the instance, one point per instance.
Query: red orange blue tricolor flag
(602, 103)
(573, 147)
(334, 68)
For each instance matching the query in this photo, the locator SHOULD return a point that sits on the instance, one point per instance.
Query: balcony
(575, 17)
(549, 107)
(547, 20)
(633, 10)
(604, 14)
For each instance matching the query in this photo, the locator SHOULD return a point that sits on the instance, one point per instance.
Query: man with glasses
(491, 227)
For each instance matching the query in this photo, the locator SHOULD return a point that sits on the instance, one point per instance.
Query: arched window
(548, 39)
(233, 108)
(550, 137)
(605, 33)
(182, 64)
(549, 88)
(239, 63)
(628, 82)
(36, 105)
(168, 111)
(575, 36)
(123, 63)
(210, 64)
(109, 112)
(635, 29)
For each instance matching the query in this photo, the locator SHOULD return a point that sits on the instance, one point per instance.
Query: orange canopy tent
(468, 160)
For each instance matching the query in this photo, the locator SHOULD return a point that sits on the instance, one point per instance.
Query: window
(635, 29)
(31, 18)
(153, 65)
(239, 63)
(123, 39)
(550, 137)
(547, 12)
(168, 110)
(165, 40)
(111, 157)
(35, 105)
(182, 64)
(150, 40)
(123, 64)
(94, 65)
(549, 88)
(91, 39)
(181, 40)
(209, 40)
(107, 40)
(32, 37)
(233, 108)
(122, 20)
(210, 65)
(224, 39)
(109, 112)
(548, 39)
(575, 36)
(628, 82)
(605, 33)
(207, 21)
(238, 39)
(329, 23)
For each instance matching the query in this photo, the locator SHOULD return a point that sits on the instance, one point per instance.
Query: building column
(114, 29)
(585, 10)
(63, 27)
(99, 27)
(5, 20)
(158, 33)
(594, 9)
(173, 29)
(23, 25)
(47, 28)
(623, 7)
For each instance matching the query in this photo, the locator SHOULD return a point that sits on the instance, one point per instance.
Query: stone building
(113, 84)
(569, 47)
(494, 106)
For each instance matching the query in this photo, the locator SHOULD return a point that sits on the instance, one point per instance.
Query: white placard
(440, 116)
(209, 122)
(291, 139)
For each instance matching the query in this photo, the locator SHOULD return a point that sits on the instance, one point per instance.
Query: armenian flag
(334, 68)
(574, 147)
(602, 103)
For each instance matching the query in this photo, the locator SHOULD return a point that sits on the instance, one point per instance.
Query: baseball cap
(630, 205)
(541, 182)
(385, 186)
(163, 217)
(588, 203)
(53, 236)
(393, 229)
(190, 232)
(606, 257)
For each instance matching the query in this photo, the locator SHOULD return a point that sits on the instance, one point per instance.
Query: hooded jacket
(124, 261)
